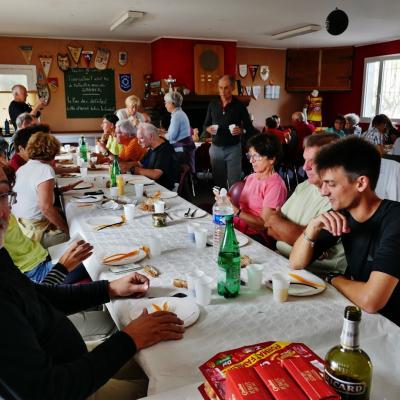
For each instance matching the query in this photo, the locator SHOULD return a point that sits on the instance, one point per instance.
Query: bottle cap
(223, 192)
(352, 313)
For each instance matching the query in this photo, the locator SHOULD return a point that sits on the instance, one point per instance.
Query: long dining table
(172, 367)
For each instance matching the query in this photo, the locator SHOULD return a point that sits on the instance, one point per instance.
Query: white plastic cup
(280, 287)
(203, 287)
(200, 237)
(254, 276)
(154, 244)
(80, 161)
(84, 172)
(67, 147)
(215, 127)
(129, 211)
(159, 207)
(139, 190)
(232, 127)
(93, 159)
(191, 227)
(191, 284)
(113, 192)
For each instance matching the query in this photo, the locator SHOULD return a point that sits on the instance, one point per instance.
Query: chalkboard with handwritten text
(89, 92)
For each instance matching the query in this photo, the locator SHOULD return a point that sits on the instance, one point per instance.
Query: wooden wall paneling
(336, 68)
(302, 69)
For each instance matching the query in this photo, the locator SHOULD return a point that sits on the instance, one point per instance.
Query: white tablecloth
(225, 324)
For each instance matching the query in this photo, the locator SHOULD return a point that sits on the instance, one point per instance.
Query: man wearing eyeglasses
(226, 120)
(42, 354)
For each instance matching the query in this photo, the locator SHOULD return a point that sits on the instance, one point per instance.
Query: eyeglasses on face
(254, 156)
(10, 196)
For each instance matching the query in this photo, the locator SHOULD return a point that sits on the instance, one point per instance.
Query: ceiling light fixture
(126, 18)
(303, 30)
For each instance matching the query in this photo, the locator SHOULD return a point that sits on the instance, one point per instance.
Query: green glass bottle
(348, 369)
(83, 149)
(115, 170)
(229, 262)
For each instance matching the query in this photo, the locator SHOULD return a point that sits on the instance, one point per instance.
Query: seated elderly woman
(338, 126)
(375, 133)
(179, 132)
(351, 125)
(108, 141)
(162, 163)
(272, 127)
(131, 151)
(264, 190)
(37, 216)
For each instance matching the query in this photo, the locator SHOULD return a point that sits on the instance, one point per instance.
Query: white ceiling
(250, 22)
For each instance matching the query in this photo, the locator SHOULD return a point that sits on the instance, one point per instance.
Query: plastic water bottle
(221, 208)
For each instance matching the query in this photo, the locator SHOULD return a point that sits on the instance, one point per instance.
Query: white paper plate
(123, 250)
(165, 195)
(87, 199)
(103, 220)
(67, 175)
(296, 289)
(242, 240)
(199, 213)
(84, 185)
(139, 179)
(186, 309)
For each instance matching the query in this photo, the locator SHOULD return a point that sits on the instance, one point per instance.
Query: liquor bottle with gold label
(348, 369)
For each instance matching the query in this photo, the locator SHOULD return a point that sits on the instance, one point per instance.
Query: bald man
(19, 104)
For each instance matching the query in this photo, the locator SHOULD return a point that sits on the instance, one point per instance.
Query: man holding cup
(226, 120)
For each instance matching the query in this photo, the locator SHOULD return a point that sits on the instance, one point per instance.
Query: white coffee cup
(154, 244)
(203, 287)
(84, 172)
(200, 237)
(280, 287)
(139, 190)
(159, 207)
(232, 127)
(254, 276)
(129, 211)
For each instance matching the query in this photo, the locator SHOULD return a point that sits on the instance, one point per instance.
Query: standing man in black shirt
(368, 226)
(162, 164)
(226, 120)
(19, 104)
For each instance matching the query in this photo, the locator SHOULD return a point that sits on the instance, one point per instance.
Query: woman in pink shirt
(264, 190)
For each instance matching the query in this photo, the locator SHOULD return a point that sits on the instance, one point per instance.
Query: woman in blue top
(338, 126)
(179, 129)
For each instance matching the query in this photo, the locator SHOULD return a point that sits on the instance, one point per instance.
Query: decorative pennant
(253, 68)
(248, 90)
(75, 53)
(87, 57)
(63, 61)
(46, 64)
(26, 52)
(40, 76)
(102, 57)
(243, 70)
(125, 82)
(256, 91)
(43, 92)
(264, 72)
(122, 58)
(53, 84)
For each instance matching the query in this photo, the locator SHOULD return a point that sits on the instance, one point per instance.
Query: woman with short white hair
(351, 125)
(179, 129)
(131, 113)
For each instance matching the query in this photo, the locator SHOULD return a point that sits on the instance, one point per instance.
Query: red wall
(343, 103)
(176, 57)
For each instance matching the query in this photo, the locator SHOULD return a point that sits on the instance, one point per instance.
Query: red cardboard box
(245, 384)
(309, 379)
(279, 382)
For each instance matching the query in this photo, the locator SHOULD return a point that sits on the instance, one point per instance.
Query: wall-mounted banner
(102, 57)
(43, 92)
(26, 51)
(63, 61)
(242, 70)
(264, 72)
(125, 82)
(122, 58)
(256, 91)
(87, 57)
(75, 53)
(46, 64)
(53, 84)
(253, 68)
(248, 90)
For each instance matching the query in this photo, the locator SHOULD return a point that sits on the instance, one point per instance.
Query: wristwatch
(331, 275)
(308, 239)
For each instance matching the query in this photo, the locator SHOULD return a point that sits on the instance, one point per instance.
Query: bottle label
(219, 219)
(345, 387)
(350, 334)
